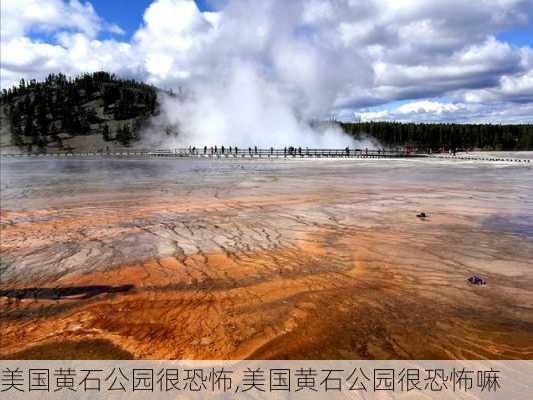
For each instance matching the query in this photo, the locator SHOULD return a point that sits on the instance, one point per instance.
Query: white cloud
(426, 106)
(318, 55)
(20, 16)
(74, 54)
(515, 88)
(518, 86)
(74, 25)
(171, 25)
(435, 111)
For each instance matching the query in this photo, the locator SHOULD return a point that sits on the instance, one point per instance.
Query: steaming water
(57, 183)
(524, 155)
(340, 235)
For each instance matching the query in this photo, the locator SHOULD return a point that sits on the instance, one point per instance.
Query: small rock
(421, 215)
(476, 280)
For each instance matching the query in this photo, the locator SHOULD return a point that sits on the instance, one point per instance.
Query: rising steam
(254, 74)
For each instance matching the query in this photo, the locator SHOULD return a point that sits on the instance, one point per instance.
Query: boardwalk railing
(253, 153)
(227, 153)
(466, 157)
(290, 153)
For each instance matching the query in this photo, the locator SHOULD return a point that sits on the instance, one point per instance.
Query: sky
(404, 60)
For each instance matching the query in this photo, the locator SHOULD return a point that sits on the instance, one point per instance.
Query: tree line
(442, 136)
(40, 111)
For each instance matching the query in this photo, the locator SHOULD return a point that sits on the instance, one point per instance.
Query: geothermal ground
(199, 259)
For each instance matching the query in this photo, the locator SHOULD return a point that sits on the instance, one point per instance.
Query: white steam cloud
(255, 73)
(318, 56)
(242, 109)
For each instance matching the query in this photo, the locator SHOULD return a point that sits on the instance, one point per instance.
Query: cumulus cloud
(313, 57)
(429, 111)
(72, 54)
(18, 17)
(515, 88)
(74, 49)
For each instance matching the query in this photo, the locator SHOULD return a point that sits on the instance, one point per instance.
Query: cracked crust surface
(266, 260)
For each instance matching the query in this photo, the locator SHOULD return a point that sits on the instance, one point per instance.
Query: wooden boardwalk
(253, 153)
(479, 158)
(226, 153)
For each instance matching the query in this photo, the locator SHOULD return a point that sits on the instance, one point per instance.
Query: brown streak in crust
(363, 308)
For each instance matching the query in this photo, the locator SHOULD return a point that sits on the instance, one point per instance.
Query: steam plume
(256, 73)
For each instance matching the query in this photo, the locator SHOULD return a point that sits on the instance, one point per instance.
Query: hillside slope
(92, 112)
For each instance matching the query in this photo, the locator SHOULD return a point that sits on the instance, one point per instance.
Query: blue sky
(128, 14)
(518, 37)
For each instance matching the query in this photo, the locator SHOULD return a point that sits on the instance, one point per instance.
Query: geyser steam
(245, 110)
(255, 73)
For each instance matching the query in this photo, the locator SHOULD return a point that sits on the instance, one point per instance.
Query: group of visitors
(287, 151)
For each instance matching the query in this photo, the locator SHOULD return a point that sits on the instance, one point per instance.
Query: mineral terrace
(317, 259)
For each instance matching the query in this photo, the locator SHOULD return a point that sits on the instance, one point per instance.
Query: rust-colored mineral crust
(266, 260)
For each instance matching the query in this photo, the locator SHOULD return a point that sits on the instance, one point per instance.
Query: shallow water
(28, 181)
(522, 155)
(268, 259)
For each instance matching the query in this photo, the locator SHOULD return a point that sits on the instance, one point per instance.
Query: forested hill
(97, 111)
(445, 136)
(88, 112)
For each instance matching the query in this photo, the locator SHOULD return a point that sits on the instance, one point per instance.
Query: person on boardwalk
(205, 150)
(347, 151)
(300, 151)
(222, 149)
(272, 151)
(250, 151)
(285, 151)
(255, 149)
